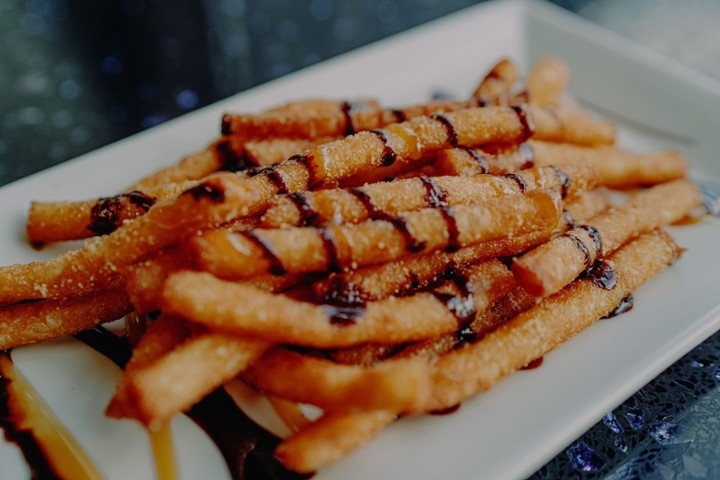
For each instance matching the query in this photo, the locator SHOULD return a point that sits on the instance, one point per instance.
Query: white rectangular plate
(528, 418)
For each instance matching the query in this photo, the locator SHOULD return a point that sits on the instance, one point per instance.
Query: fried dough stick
(245, 310)
(163, 335)
(145, 279)
(615, 168)
(221, 198)
(177, 379)
(551, 266)
(417, 271)
(340, 206)
(25, 323)
(514, 302)
(334, 248)
(467, 161)
(329, 438)
(547, 80)
(497, 85)
(539, 330)
(478, 366)
(395, 385)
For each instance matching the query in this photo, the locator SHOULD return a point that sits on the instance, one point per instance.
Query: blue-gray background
(79, 74)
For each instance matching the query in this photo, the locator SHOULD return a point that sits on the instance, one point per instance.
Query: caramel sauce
(164, 451)
(49, 448)
(289, 413)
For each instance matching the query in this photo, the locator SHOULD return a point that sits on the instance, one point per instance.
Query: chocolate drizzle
(275, 177)
(205, 190)
(399, 115)
(105, 215)
(331, 250)
(226, 126)
(388, 155)
(308, 216)
(462, 305)
(568, 219)
(527, 155)
(594, 235)
(625, 305)
(341, 292)
(517, 179)
(581, 246)
(446, 411)
(563, 179)
(308, 163)
(435, 196)
(533, 364)
(343, 315)
(246, 447)
(453, 243)
(400, 224)
(232, 160)
(523, 114)
(602, 275)
(478, 157)
(449, 128)
(275, 265)
(346, 109)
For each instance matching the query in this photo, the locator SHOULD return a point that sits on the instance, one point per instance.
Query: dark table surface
(77, 75)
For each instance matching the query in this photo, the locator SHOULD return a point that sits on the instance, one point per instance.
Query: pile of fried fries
(371, 262)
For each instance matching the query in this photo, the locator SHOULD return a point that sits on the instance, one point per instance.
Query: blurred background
(76, 75)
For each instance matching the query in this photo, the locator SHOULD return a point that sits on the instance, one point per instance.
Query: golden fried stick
(335, 248)
(395, 385)
(162, 336)
(616, 168)
(221, 198)
(498, 83)
(569, 125)
(474, 161)
(176, 380)
(551, 266)
(245, 310)
(532, 334)
(25, 323)
(329, 438)
(547, 80)
(339, 206)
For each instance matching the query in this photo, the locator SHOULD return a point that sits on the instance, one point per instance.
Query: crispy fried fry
(616, 168)
(395, 385)
(163, 334)
(551, 266)
(176, 380)
(570, 125)
(539, 330)
(330, 438)
(31, 322)
(474, 161)
(498, 83)
(334, 248)
(338, 206)
(547, 80)
(245, 310)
